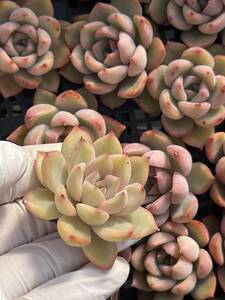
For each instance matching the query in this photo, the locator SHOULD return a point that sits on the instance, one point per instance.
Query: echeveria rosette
(174, 180)
(173, 263)
(95, 191)
(215, 152)
(191, 95)
(30, 46)
(113, 49)
(52, 118)
(217, 245)
(200, 21)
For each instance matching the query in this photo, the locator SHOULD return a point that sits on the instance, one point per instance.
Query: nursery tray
(13, 109)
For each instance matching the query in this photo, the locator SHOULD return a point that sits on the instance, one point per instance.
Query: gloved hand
(35, 264)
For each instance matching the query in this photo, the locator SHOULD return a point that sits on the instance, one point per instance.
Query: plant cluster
(101, 191)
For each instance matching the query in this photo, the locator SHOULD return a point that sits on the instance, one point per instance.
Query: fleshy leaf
(92, 195)
(139, 169)
(122, 168)
(112, 100)
(40, 202)
(71, 74)
(101, 253)
(40, 8)
(171, 126)
(8, 86)
(137, 258)
(90, 99)
(199, 232)
(115, 229)
(180, 158)
(114, 125)
(39, 114)
(93, 121)
(214, 146)
(217, 193)
(26, 80)
(200, 178)
(128, 7)
(63, 202)
(204, 264)
(148, 104)
(6, 8)
(42, 96)
(91, 215)
(136, 196)
(198, 136)
(61, 54)
(51, 26)
(74, 181)
(50, 81)
(54, 170)
(36, 135)
(156, 139)
(205, 288)
(72, 139)
(107, 144)
(71, 101)
(73, 231)
(116, 203)
(143, 222)
(186, 210)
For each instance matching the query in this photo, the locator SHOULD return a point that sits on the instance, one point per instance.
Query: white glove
(35, 264)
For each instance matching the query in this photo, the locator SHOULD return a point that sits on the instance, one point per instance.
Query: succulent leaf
(40, 202)
(100, 252)
(73, 231)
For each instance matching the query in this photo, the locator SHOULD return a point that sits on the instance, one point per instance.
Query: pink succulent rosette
(173, 263)
(191, 93)
(52, 117)
(199, 20)
(174, 179)
(31, 48)
(113, 49)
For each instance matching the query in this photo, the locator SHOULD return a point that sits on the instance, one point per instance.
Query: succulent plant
(174, 179)
(215, 152)
(95, 192)
(191, 95)
(199, 20)
(217, 245)
(113, 48)
(173, 263)
(52, 117)
(30, 46)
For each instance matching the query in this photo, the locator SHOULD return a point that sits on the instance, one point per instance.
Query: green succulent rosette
(95, 193)
(113, 49)
(31, 48)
